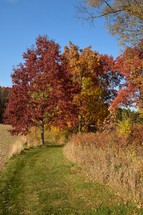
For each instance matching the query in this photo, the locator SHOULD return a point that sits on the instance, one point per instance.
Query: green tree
(133, 115)
(4, 96)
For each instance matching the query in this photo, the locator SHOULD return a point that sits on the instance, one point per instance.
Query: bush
(136, 135)
(124, 127)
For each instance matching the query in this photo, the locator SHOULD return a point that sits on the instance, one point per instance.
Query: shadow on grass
(54, 145)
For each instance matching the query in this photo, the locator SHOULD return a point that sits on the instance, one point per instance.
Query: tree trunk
(42, 133)
(80, 124)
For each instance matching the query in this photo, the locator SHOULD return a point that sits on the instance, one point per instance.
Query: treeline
(74, 90)
(4, 96)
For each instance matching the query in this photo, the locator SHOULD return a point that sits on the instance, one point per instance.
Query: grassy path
(41, 181)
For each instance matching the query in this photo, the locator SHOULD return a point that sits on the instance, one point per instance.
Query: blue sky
(21, 21)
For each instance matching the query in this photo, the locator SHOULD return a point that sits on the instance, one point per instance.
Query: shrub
(124, 127)
(136, 134)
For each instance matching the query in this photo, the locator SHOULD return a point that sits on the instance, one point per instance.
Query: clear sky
(21, 21)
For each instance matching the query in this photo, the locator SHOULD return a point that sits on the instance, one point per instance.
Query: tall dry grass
(9, 145)
(105, 158)
(12, 145)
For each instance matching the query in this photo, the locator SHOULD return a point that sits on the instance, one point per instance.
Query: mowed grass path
(42, 181)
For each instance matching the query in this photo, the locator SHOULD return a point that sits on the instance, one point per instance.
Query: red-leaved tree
(130, 65)
(38, 92)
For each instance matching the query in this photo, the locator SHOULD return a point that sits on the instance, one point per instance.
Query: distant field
(7, 144)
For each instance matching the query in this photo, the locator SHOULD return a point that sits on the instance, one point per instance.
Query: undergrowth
(109, 158)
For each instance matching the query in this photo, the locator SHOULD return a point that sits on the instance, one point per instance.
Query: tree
(95, 79)
(4, 96)
(133, 115)
(124, 18)
(109, 79)
(37, 88)
(130, 65)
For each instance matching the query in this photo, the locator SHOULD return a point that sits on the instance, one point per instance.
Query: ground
(42, 181)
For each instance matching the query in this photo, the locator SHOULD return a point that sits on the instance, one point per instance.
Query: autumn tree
(95, 79)
(109, 78)
(130, 65)
(69, 90)
(124, 18)
(37, 91)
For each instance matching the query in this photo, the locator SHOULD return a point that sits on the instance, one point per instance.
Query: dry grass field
(9, 145)
(120, 167)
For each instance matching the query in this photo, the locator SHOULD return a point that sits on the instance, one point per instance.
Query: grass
(42, 181)
(9, 145)
(5, 138)
(105, 160)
